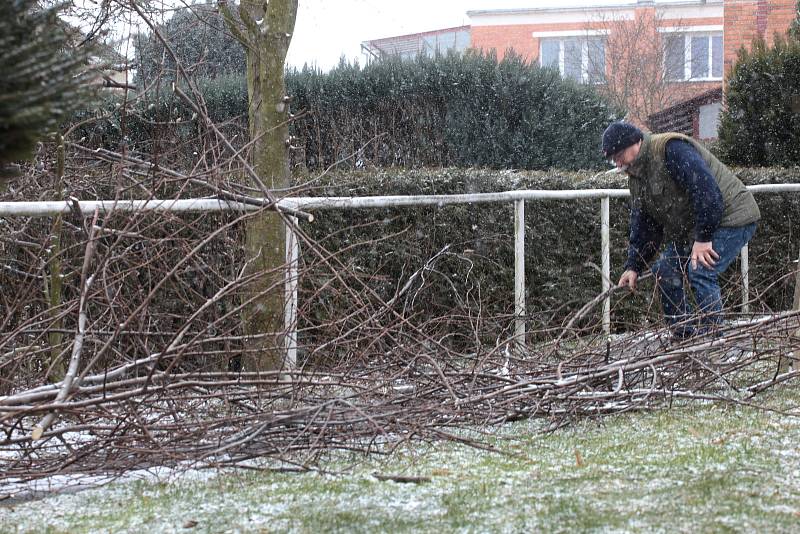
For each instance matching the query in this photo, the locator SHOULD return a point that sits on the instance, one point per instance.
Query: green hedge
(562, 243)
(468, 110)
(463, 111)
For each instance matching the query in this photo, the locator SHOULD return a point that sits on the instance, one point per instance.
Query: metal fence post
(519, 273)
(792, 365)
(796, 303)
(290, 295)
(605, 251)
(745, 253)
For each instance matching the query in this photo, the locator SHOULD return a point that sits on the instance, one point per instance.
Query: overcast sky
(328, 29)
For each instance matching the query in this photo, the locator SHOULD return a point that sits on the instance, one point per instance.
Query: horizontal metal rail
(88, 207)
(195, 205)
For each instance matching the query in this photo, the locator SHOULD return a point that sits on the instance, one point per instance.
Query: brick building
(665, 57)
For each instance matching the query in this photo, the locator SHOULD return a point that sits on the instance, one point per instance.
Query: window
(693, 56)
(578, 58)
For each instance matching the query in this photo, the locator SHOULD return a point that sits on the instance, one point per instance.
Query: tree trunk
(53, 283)
(266, 32)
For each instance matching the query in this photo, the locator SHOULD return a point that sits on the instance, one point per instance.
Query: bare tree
(636, 64)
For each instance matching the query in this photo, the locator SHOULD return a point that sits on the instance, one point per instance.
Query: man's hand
(628, 279)
(703, 253)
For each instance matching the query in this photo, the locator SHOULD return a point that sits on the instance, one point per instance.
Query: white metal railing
(38, 209)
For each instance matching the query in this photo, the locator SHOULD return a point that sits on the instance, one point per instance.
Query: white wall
(709, 120)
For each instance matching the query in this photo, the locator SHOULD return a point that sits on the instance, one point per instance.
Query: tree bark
(796, 303)
(265, 29)
(53, 283)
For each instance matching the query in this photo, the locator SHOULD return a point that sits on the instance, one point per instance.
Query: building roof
(456, 38)
(621, 5)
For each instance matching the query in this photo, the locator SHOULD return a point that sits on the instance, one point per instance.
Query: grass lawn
(693, 468)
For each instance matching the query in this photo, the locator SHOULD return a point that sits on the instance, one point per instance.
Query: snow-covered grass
(699, 467)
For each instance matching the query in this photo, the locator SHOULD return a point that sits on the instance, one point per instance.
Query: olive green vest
(671, 206)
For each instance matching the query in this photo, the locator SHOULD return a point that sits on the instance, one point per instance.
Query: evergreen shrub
(454, 110)
(761, 125)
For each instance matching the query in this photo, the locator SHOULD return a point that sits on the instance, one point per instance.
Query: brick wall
(502, 38)
(748, 19)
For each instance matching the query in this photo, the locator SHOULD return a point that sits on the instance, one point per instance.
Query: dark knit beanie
(619, 136)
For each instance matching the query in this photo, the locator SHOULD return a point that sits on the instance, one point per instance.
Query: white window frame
(687, 34)
(584, 38)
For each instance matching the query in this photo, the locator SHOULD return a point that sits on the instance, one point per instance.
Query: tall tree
(265, 28)
(200, 41)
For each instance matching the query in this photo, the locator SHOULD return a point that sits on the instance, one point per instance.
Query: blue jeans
(669, 271)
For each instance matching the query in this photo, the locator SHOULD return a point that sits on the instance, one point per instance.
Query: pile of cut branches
(153, 412)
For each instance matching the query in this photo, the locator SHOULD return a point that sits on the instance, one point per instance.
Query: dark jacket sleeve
(690, 171)
(644, 241)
